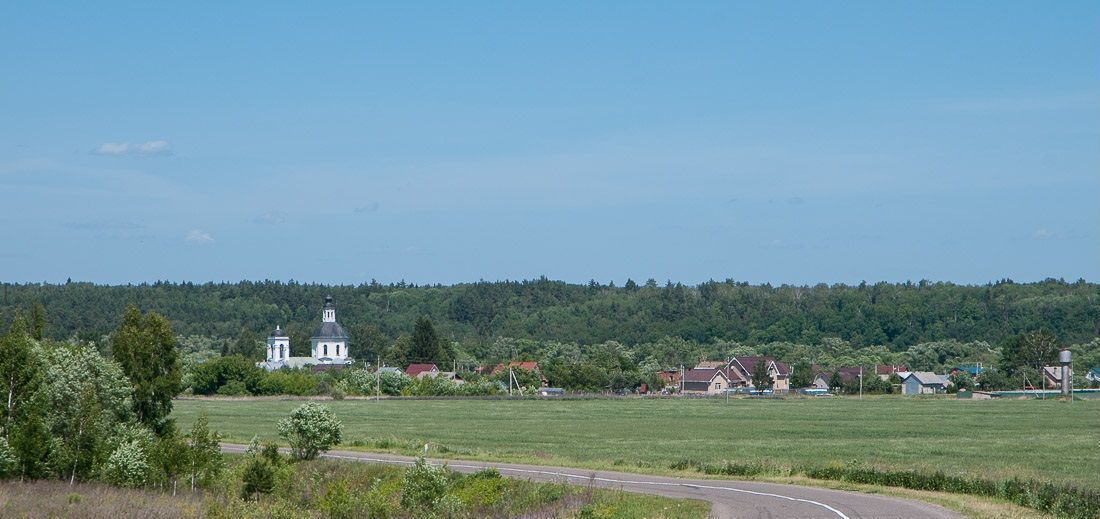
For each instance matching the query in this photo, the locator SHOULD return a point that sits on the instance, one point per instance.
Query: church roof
(331, 330)
(279, 332)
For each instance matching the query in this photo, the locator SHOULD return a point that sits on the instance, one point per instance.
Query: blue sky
(793, 142)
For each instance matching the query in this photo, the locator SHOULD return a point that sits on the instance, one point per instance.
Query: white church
(328, 345)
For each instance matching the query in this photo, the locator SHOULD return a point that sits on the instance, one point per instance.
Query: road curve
(730, 499)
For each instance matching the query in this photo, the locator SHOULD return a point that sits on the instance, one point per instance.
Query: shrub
(9, 464)
(483, 488)
(310, 430)
(128, 465)
(377, 503)
(337, 392)
(258, 478)
(288, 382)
(423, 487)
(233, 388)
(359, 382)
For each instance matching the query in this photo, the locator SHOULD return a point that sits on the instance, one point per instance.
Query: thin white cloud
(272, 218)
(198, 237)
(148, 148)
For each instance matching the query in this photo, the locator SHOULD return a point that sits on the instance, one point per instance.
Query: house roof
(1054, 372)
(703, 374)
(389, 369)
(749, 363)
(846, 374)
(971, 369)
(850, 373)
(927, 378)
(416, 369)
(445, 375)
(887, 369)
(528, 365)
(711, 364)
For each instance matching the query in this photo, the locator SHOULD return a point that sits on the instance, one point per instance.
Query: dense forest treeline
(895, 315)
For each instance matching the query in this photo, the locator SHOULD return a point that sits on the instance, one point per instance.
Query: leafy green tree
(20, 372)
(761, 379)
(835, 382)
(30, 441)
(143, 345)
(128, 465)
(801, 375)
(1031, 350)
(77, 451)
(960, 382)
(38, 321)
(310, 430)
(426, 345)
(205, 457)
(171, 458)
(207, 378)
(9, 463)
(247, 345)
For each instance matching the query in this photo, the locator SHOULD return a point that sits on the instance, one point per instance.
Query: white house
(328, 345)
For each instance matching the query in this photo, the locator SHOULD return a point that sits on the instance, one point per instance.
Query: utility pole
(727, 374)
(861, 381)
(378, 378)
(510, 377)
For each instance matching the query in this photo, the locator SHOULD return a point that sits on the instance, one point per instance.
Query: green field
(1051, 440)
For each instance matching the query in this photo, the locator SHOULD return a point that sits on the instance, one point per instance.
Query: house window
(717, 385)
(326, 349)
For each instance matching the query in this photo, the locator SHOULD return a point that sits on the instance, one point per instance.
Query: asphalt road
(729, 498)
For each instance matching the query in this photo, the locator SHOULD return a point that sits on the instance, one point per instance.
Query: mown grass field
(1049, 440)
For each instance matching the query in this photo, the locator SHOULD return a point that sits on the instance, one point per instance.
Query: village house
(825, 377)
(445, 375)
(415, 370)
(427, 370)
(1093, 376)
(669, 377)
(923, 383)
(705, 381)
(971, 370)
(739, 371)
(527, 365)
(883, 371)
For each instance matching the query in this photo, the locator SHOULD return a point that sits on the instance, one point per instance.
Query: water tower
(1064, 360)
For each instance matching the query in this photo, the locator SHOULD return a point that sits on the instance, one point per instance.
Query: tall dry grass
(37, 499)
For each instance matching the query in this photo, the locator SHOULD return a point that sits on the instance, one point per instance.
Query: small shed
(923, 383)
